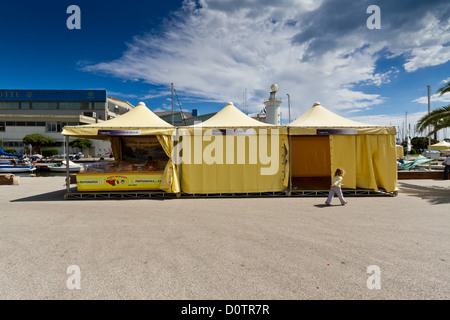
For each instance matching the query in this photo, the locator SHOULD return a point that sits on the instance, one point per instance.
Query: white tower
(273, 115)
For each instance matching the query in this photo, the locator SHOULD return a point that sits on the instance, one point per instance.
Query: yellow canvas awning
(319, 117)
(138, 121)
(443, 145)
(231, 117)
(366, 152)
(233, 153)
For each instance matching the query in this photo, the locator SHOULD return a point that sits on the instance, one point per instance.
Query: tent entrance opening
(311, 162)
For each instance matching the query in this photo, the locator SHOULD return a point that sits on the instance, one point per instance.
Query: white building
(46, 112)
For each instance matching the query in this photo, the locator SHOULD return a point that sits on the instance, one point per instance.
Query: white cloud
(216, 51)
(426, 46)
(435, 97)
(405, 124)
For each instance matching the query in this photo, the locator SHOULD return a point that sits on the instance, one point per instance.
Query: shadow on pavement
(59, 196)
(433, 194)
(49, 196)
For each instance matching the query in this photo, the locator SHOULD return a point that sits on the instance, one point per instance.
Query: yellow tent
(443, 145)
(233, 153)
(322, 141)
(139, 121)
(400, 152)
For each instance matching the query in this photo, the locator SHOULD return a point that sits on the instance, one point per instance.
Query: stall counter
(119, 181)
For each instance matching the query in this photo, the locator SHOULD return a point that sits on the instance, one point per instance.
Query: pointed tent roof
(443, 145)
(231, 117)
(139, 118)
(319, 117)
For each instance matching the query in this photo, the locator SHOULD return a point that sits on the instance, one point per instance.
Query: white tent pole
(67, 164)
(290, 162)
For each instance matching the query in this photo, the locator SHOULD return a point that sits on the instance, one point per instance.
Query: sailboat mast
(171, 90)
(429, 138)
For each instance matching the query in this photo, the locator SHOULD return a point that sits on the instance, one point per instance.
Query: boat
(61, 167)
(15, 165)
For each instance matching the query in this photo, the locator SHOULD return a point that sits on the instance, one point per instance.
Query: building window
(70, 105)
(9, 105)
(2, 126)
(51, 127)
(12, 144)
(99, 105)
(25, 105)
(44, 105)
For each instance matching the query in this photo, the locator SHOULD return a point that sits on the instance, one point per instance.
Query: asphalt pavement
(225, 248)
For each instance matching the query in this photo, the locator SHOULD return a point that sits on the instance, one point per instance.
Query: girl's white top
(337, 181)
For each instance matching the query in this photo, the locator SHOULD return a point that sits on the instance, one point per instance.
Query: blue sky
(214, 50)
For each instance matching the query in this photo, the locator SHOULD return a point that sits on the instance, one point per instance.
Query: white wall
(100, 148)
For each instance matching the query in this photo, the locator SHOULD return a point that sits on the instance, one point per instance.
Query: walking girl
(335, 188)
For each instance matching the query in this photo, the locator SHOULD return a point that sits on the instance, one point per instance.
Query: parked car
(77, 156)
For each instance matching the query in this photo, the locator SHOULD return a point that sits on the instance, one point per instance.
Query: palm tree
(444, 89)
(438, 118)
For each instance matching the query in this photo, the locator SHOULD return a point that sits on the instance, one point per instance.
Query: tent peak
(230, 103)
(142, 103)
(316, 104)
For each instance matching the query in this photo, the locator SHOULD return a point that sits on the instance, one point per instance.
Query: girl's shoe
(345, 203)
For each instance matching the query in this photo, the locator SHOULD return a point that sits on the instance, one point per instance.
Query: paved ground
(271, 248)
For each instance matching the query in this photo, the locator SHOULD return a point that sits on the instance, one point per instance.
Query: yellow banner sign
(118, 181)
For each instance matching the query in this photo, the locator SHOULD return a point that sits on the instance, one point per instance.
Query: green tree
(37, 141)
(421, 143)
(439, 118)
(10, 150)
(81, 144)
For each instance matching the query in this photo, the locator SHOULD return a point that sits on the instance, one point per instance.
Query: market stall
(322, 141)
(233, 153)
(142, 147)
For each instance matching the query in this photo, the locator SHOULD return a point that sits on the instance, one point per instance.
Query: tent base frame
(123, 195)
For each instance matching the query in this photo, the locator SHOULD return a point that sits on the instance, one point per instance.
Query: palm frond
(444, 89)
(438, 119)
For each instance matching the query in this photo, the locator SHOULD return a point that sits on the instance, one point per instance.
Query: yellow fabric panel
(365, 177)
(400, 152)
(368, 160)
(116, 148)
(166, 142)
(310, 156)
(385, 162)
(232, 178)
(170, 178)
(285, 141)
(343, 155)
